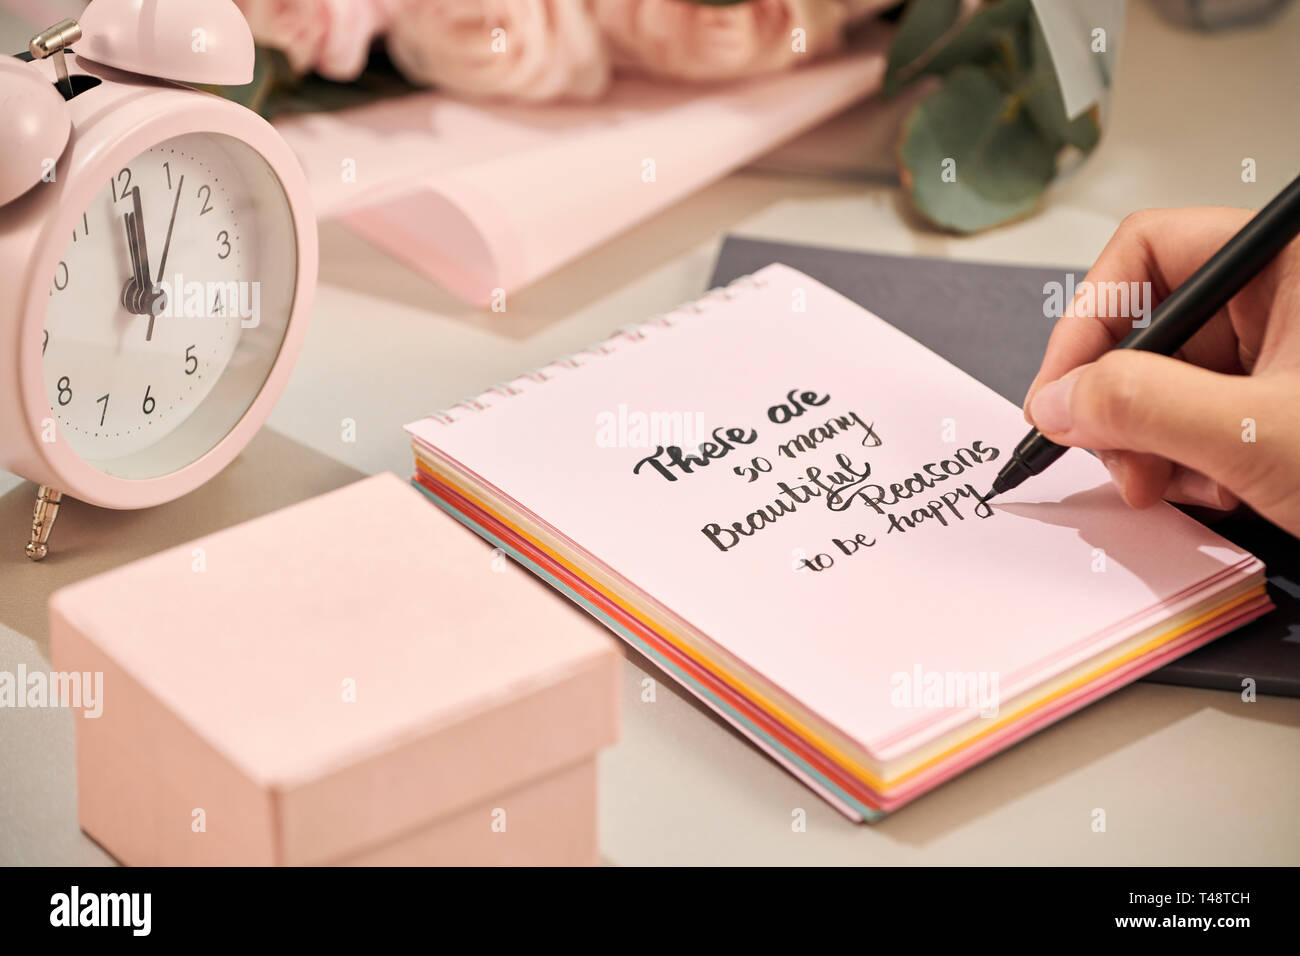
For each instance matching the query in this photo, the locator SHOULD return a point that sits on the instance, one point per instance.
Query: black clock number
(168, 167)
(205, 193)
(191, 361)
(123, 180)
(61, 278)
(147, 406)
(104, 399)
(46, 343)
(65, 390)
(223, 243)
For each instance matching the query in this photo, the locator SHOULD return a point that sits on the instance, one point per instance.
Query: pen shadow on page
(1104, 522)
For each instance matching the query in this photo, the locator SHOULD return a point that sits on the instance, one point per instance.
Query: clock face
(169, 305)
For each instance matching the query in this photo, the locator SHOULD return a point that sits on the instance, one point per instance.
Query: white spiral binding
(632, 333)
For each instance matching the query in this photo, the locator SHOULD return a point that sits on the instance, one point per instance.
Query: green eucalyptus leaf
(990, 36)
(1001, 160)
(1046, 105)
(923, 24)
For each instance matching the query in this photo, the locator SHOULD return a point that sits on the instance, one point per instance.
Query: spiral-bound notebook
(777, 497)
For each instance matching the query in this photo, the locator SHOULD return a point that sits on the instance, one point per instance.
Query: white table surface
(1184, 775)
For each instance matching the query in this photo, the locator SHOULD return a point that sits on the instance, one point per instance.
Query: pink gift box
(354, 679)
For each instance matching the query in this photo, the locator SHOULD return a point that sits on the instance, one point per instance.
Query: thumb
(1139, 401)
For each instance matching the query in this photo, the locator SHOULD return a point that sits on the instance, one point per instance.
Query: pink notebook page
(1050, 574)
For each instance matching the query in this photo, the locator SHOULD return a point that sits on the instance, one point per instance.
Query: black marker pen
(1185, 311)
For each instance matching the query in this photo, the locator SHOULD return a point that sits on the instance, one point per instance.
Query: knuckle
(1134, 224)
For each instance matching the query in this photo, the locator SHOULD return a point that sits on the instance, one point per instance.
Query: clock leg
(43, 515)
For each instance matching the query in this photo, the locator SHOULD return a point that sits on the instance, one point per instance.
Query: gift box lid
(359, 656)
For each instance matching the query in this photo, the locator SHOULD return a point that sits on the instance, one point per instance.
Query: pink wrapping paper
(487, 199)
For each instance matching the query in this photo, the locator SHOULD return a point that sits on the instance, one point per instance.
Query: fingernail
(1025, 404)
(1051, 406)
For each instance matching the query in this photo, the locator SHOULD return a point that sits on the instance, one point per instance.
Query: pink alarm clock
(159, 255)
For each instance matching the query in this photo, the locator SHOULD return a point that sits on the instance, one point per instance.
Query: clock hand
(167, 243)
(131, 291)
(138, 222)
(149, 295)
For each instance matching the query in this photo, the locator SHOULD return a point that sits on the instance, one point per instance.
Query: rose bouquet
(545, 50)
(977, 151)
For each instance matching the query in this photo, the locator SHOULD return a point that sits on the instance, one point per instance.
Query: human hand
(1215, 425)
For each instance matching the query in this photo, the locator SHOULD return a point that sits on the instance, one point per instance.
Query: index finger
(1162, 247)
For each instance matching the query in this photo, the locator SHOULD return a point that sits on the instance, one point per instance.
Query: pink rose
(532, 50)
(332, 37)
(688, 41)
(352, 28)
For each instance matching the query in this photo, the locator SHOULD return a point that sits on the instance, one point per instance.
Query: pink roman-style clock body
(159, 252)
